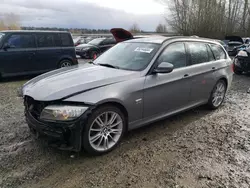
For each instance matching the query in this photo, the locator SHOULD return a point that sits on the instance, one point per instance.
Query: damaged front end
(62, 134)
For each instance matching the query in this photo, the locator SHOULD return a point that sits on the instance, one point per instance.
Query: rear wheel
(217, 95)
(104, 130)
(65, 63)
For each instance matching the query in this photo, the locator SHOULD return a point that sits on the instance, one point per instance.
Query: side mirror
(6, 46)
(164, 67)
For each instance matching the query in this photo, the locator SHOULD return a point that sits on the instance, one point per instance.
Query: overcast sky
(93, 14)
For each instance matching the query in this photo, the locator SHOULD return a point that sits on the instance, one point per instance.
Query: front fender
(126, 93)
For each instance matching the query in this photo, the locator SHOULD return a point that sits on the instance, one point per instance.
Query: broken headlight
(62, 112)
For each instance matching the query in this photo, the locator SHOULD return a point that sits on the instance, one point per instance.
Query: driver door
(168, 92)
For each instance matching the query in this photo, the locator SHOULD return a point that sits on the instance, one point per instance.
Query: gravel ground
(198, 148)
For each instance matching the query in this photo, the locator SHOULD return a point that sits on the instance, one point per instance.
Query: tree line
(209, 18)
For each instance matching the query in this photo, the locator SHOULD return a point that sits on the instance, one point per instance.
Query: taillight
(232, 67)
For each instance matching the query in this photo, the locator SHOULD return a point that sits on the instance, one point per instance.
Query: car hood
(234, 38)
(66, 82)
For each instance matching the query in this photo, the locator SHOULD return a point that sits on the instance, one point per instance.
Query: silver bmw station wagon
(135, 83)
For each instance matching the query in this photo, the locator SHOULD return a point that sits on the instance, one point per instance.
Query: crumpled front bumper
(64, 136)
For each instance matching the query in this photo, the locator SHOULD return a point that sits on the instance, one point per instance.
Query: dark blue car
(35, 52)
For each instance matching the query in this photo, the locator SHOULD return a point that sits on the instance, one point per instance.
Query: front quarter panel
(127, 93)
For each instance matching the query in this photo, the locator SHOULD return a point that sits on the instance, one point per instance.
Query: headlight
(85, 49)
(62, 113)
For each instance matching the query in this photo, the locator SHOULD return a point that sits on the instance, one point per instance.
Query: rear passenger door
(202, 67)
(48, 51)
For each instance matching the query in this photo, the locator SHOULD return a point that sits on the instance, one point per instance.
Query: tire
(212, 104)
(65, 63)
(99, 134)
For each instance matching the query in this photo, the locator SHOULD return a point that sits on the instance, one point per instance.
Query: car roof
(32, 31)
(161, 39)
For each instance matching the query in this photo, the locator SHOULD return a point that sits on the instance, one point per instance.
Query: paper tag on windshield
(144, 50)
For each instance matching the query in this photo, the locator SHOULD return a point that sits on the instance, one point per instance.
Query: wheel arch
(118, 105)
(63, 59)
(225, 80)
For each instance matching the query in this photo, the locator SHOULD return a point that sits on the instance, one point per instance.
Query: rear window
(66, 40)
(218, 52)
(198, 52)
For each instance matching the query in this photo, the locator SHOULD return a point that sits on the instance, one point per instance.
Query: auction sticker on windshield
(144, 50)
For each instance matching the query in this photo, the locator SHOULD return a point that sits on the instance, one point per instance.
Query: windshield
(1, 36)
(129, 56)
(96, 41)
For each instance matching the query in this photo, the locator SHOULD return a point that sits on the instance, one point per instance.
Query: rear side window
(21, 41)
(45, 40)
(57, 40)
(66, 40)
(198, 52)
(175, 54)
(218, 52)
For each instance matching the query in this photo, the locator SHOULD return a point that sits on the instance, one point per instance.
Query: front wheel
(217, 95)
(104, 130)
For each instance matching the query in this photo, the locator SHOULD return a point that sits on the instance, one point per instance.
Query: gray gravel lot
(198, 148)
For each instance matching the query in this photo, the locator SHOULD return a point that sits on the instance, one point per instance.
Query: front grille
(34, 107)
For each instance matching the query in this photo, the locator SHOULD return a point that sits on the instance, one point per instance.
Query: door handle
(186, 75)
(213, 68)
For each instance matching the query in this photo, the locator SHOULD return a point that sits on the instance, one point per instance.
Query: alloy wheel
(66, 64)
(105, 131)
(218, 94)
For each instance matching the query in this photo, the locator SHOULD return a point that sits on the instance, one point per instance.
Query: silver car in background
(136, 82)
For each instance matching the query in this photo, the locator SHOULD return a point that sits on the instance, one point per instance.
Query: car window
(218, 52)
(21, 41)
(198, 52)
(45, 40)
(210, 54)
(174, 54)
(57, 40)
(97, 41)
(129, 56)
(66, 40)
(1, 36)
(108, 41)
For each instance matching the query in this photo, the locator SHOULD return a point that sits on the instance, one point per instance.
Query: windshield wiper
(108, 65)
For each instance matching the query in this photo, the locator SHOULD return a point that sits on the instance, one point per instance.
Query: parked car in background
(134, 83)
(242, 61)
(34, 52)
(246, 40)
(95, 47)
(223, 44)
(233, 43)
(82, 40)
